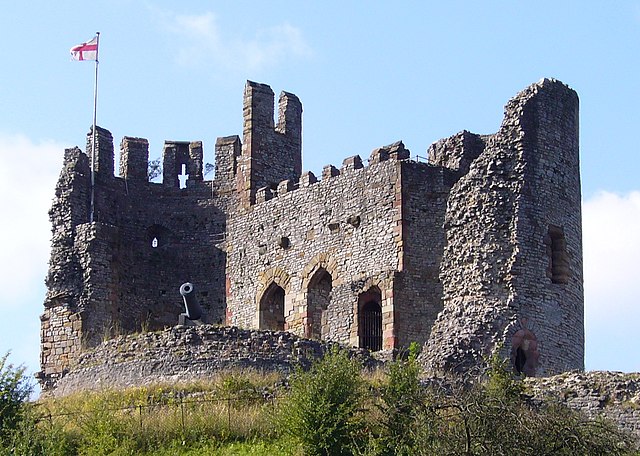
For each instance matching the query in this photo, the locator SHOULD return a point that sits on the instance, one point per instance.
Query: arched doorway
(370, 319)
(318, 300)
(271, 309)
(524, 352)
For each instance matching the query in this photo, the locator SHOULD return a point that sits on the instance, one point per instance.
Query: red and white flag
(86, 51)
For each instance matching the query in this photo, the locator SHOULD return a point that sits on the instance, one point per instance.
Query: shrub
(500, 382)
(14, 391)
(35, 437)
(402, 402)
(495, 417)
(322, 411)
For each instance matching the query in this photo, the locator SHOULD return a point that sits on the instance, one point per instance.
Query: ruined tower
(512, 266)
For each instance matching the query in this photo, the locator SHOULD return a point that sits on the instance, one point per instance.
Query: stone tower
(512, 265)
(269, 154)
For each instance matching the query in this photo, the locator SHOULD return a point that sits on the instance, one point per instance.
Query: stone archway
(271, 309)
(319, 278)
(318, 301)
(370, 319)
(524, 352)
(265, 296)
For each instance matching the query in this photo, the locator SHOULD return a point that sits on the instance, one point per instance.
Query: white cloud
(611, 239)
(201, 40)
(28, 172)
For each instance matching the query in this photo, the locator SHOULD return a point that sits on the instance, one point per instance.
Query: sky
(368, 74)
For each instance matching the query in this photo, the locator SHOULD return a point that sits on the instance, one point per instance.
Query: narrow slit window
(558, 269)
(157, 236)
(183, 176)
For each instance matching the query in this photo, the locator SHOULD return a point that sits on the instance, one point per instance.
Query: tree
(14, 391)
(154, 169)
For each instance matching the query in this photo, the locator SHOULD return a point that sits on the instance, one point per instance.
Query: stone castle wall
(611, 395)
(121, 272)
(343, 226)
(478, 248)
(188, 354)
(270, 153)
(418, 289)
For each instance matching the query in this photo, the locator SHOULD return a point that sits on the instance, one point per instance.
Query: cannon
(192, 310)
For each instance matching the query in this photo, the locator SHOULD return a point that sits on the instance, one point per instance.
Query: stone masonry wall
(343, 224)
(121, 273)
(186, 354)
(418, 291)
(520, 192)
(612, 395)
(270, 154)
(480, 247)
(550, 303)
(60, 322)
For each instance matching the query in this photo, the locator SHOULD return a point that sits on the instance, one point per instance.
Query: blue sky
(368, 74)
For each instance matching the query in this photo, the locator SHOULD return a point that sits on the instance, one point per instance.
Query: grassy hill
(333, 409)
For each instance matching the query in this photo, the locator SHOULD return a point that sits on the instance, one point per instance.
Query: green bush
(501, 382)
(326, 411)
(36, 437)
(322, 411)
(496, 417)
(14, 391)
(402, 402)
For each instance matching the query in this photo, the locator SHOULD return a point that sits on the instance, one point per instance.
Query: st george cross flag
(86, 51)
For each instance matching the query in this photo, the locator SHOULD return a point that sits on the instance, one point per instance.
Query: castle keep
(480, 247)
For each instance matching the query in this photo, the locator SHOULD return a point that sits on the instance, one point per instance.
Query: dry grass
(232, 406)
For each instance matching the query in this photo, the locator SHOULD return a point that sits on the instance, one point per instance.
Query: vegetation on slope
(333, 409)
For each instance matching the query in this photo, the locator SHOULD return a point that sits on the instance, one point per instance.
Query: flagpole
(93, 140)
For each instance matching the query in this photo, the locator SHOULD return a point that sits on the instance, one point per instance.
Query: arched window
(318, 301)
(157, 236)
(271, 309)
(370, 320)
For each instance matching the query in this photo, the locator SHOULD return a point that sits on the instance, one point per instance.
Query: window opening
(157, 236)
(558, 268)
(183, 176)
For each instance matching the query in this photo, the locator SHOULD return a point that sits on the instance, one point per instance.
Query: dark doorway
(370, 320)
(271, 309)
(318, 300)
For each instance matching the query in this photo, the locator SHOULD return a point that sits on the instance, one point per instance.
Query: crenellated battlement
(269, 154)
(185, 158)
(134, 159)
(350, 165)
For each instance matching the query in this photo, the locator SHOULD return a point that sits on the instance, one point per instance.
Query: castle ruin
(479, 247)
